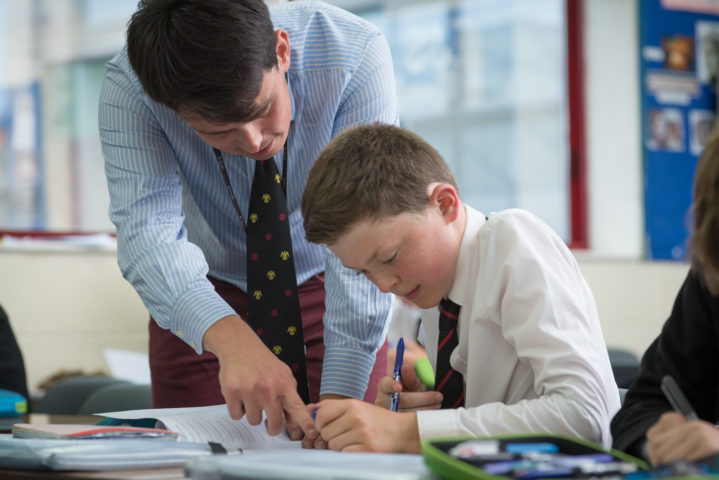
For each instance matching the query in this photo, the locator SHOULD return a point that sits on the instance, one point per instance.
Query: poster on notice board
(679, 62)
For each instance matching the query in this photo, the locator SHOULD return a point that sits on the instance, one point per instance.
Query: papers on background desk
(314, 464)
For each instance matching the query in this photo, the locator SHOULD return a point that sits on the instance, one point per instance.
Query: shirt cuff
(346, 371)
(195, 312)
(437, 423)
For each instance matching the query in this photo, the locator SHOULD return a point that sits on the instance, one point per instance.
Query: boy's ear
(282, 47)
(445, 197)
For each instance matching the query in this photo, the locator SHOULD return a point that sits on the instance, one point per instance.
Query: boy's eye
(391, 259)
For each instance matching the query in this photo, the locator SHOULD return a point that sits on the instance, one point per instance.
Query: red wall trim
(577, 149)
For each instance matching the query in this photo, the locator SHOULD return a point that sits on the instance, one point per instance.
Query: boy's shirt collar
(463, 275)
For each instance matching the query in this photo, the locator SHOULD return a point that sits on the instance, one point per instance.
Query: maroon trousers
(181, 378)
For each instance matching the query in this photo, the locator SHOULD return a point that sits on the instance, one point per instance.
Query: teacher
(210, 118)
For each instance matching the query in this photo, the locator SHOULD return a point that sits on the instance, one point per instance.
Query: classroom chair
(625, 366)
(67, 395)
(117, 397)
(622, 394)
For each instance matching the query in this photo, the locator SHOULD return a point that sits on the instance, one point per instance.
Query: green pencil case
(448, 457)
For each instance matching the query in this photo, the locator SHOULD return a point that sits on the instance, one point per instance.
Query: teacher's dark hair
(202, 58)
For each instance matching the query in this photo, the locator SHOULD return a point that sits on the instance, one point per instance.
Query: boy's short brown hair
(369, 172)
(704, 240)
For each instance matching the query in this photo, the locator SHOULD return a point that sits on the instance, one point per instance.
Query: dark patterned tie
(448, 381)
(273, 308)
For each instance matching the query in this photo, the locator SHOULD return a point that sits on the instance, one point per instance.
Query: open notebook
(197, 430)
(204, 424)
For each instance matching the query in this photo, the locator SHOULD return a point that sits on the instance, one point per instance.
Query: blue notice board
(679, 57)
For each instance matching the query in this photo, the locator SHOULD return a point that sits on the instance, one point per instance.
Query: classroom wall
(66, 307)
(613, 135)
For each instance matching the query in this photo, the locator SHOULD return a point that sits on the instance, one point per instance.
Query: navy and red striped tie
(449, 382)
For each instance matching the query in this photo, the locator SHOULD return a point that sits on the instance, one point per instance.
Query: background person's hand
(675, 438)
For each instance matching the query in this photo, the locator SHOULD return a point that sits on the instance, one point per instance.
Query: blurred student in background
(687, 347)
(12, 366)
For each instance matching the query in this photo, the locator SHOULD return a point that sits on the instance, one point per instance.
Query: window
(51, 167)
(484, 81)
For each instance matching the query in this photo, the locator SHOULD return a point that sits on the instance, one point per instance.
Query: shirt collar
(463, 275)
(292, 98)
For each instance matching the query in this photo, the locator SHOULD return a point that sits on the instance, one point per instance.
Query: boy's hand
(315, 440)
(675, 438)
(412, 394)
(355, 426)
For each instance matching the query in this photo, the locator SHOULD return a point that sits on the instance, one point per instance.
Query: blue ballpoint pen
(397, 374)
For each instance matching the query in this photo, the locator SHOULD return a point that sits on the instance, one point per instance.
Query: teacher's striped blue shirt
(175, 221)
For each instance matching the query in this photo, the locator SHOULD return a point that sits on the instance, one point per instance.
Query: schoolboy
(687, 348)
(530, 351)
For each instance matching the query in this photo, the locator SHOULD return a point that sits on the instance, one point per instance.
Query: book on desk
(250, 451)
(88, 432)
(133, 440)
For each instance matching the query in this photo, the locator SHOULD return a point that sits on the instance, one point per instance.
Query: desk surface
(173, 473)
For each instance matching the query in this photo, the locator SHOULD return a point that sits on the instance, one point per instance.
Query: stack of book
(87, 432)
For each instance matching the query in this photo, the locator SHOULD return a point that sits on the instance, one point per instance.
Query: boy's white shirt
(531, 347)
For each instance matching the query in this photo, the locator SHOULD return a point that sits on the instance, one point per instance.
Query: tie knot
(448, 308)
(448, 315)
(267, 165)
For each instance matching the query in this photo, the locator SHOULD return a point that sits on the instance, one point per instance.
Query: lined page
(211, 424)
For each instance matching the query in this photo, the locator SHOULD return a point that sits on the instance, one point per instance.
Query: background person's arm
(687, 350)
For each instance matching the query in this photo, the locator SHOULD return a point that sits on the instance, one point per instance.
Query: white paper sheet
(211, 424)
(128, 365)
